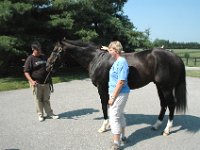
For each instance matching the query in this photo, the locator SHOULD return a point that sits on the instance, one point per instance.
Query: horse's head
(82, 52)
(54, 56)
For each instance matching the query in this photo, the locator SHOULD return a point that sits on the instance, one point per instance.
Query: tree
(50, 20)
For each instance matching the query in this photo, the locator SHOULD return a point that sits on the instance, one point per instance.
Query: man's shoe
(41, 118)
(53, 116)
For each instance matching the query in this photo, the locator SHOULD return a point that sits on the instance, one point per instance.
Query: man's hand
(33, 83)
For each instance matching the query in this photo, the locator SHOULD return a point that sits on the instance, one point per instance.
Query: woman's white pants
(116, 113)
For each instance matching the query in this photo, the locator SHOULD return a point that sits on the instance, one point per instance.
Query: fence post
(195, 61)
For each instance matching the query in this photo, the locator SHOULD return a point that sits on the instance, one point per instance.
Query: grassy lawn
(193, 73)
(13, 83)
(193, 53)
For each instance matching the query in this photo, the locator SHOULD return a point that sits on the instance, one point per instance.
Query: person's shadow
(75, 114)
(181, 122)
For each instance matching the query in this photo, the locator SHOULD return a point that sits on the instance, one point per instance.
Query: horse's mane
(81, 43)
(86, 46)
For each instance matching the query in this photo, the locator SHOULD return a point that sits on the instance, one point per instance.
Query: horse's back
(158, 65)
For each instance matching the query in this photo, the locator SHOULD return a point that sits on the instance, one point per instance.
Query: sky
(173, 20)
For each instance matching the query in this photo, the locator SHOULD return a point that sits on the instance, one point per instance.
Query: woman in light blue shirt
(118, 91)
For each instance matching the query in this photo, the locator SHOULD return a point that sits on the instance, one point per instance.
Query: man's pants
(41, 94)
(117, 119)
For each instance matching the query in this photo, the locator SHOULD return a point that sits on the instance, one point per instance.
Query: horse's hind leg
(162, 110)
(168, 94)
(171, 107)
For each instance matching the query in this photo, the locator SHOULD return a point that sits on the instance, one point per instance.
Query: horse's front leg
(158, 123)
(103, 93)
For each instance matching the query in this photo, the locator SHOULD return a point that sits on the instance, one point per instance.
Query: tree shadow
(75, 114)
(181, 122)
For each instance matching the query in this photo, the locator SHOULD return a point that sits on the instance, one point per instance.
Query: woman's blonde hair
(116, 45)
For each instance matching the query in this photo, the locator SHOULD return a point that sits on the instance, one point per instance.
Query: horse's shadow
(181, 122)
(75, 114)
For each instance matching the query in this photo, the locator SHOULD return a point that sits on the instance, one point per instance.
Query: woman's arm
(117, 89)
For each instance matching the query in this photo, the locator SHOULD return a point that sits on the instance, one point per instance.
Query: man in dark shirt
(35, 72)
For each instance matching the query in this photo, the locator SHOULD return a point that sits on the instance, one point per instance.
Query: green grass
(193, 53)
(13, 83)
(193, 73)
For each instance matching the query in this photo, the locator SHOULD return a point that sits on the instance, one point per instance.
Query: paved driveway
(78, 104)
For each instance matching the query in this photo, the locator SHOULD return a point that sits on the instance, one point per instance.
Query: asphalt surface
(78, 104)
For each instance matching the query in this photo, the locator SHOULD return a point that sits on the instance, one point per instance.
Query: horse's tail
(181, 92)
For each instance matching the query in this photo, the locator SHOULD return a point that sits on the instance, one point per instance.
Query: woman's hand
(104, 48)
(110, 102)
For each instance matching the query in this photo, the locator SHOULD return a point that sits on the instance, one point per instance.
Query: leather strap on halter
(51, 82)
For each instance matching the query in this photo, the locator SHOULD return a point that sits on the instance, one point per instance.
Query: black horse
(160, 66)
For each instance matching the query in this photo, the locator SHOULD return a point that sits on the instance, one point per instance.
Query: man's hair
(36, 45)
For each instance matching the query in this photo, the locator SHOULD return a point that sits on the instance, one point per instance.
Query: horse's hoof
(102, 130)
(165, 133)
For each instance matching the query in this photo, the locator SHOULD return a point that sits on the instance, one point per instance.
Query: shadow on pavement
(181, 122)
(75, 114)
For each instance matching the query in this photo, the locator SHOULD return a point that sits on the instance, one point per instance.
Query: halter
(56, 54)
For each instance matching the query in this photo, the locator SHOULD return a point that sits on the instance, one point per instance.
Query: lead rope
(51, 83)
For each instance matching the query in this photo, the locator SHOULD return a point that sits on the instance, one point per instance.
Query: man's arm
(28, 77)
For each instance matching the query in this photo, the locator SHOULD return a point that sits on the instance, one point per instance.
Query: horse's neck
(83, 55)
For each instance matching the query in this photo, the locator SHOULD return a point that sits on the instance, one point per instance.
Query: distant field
(193, 56)
(191, 52)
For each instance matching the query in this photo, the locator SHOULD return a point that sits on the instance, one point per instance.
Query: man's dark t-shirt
(36, 67)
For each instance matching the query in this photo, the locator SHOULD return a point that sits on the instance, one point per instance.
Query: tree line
(98, 21)
(175, 45)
